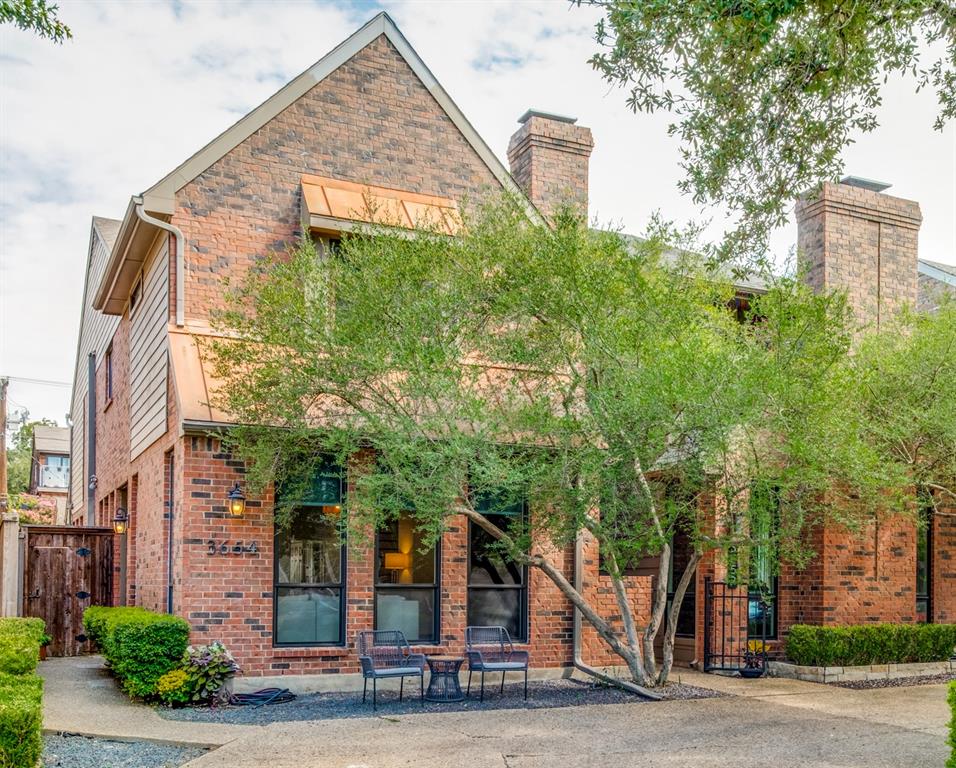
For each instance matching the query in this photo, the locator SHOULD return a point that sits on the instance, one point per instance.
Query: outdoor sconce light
(120, 521)
(397, 561)
(237, 501)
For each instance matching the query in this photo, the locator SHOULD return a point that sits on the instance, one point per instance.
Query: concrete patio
(769, 722)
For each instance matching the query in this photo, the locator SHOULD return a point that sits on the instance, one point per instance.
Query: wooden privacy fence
(66, 570)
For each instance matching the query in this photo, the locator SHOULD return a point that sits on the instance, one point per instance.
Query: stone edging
(856, 674)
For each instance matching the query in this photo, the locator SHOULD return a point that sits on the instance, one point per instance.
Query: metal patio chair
(386, 653)
(489, 649)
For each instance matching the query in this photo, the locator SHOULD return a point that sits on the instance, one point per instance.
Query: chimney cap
(547, 115)
(870, 184)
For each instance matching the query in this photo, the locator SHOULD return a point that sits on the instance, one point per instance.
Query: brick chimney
(549, 155)
(854, 237)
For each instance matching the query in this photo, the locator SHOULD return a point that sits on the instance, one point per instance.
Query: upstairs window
(109, 373)
(135, 295)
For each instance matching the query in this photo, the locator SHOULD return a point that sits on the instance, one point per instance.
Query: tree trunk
(658, 606)
(667, 660)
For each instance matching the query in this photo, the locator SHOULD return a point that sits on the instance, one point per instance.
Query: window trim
(341, 585)
(524, 613)
(435, 587)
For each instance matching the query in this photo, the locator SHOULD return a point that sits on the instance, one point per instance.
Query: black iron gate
(735, 628)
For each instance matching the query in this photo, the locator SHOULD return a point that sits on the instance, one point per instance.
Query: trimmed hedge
(21, 711)
(21, 720)
(140, 646)
(20, 645)
(951, 763)
(870, 644)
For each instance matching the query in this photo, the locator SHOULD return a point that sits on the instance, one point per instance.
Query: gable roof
(160, 198)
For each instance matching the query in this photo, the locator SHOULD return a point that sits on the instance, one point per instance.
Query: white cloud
(144, 85)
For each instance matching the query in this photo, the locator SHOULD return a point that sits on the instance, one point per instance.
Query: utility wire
(45, 382)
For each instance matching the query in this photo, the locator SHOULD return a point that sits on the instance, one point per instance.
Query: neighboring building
(50, 467)
(936, 282)
(370, 118)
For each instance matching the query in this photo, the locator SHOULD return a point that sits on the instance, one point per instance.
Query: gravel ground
(325, 706)
(900, 681)
(84, 752)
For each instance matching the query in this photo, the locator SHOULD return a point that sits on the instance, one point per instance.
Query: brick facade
(549, 161)
(373, 121)
(864, 242)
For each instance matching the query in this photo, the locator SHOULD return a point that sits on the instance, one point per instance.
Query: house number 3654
(234, 548)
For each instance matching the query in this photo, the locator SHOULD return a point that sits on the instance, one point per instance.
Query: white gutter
(579, 663)
(180, 257)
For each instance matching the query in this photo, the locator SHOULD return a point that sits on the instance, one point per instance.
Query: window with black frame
(309, 578)
(497, 586)
(406, 581)
(924, 550)
(764, 585)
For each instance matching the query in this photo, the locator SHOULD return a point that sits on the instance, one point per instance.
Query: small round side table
(443, 684)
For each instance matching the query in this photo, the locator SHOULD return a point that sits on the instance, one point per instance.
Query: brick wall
(549, 161)
(864, 242)
(943, 564)
(370, 121)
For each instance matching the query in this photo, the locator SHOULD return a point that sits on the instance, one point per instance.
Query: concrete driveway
(767, 723)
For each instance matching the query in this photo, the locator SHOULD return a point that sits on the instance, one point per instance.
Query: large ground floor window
(309, 597)
(497, 587)
(764, 585)
(924, 554)
(406, 582)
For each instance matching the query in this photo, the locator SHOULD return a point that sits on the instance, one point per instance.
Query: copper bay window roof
(334, 205)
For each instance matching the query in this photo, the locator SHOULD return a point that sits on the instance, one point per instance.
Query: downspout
(169, 536)
(180, 257)
(579, 663)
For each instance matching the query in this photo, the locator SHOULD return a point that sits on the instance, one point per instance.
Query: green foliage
(140, 646)
(20, 641)
(870, 644)
(207, 669)
(621, 380)
(173, 688)
(766, 94)
(35, 16)
(21, 720)
(951, 763)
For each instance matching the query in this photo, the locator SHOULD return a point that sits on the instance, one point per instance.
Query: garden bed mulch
(327, 706)
(899, 682)
(63, 751)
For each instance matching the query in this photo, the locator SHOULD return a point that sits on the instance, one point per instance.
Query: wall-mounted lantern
(237, 502)
(120, 521)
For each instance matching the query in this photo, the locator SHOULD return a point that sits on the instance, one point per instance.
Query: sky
(143, 85)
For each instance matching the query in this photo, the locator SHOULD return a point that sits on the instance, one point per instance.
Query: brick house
(370, 118)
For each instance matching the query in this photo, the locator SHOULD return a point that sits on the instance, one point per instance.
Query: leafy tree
(35, 16)
(766, 94)
(905, 378)
(603, 381)
(20, 455)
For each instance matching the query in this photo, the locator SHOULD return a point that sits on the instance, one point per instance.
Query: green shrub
(951, 763)
(21, 720)
(140, 646)
(870, 644)
(20, 645)
(208, 668)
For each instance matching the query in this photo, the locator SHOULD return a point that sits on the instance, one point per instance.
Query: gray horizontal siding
(149, 356)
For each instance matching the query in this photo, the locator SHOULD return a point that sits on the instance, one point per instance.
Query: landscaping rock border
(859, 674)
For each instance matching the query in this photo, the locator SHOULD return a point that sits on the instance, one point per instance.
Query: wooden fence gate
(66, 570)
